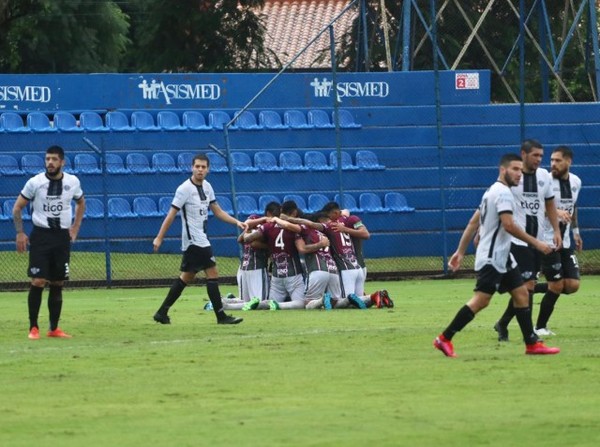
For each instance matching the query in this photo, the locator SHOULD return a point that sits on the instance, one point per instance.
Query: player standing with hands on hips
(54, 229)
(194, 198)
(495, 266)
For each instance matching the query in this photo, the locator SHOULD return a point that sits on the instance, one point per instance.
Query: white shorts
(253, 284)
(352, 282)
(318, 282)
(281, 288)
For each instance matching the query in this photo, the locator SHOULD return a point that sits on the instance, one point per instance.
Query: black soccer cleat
(502, 331)
(228, 319)
(162, 318)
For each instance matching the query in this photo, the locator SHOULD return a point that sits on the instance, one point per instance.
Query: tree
(61, 36)
(201, 35)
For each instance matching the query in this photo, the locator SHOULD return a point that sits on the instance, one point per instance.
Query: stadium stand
(291, 161)
(66, 122)
(167, 120)
(115, 165)
(94, 208)
(92, 122)
(316, 161)
(195, 121)
(265, 199)
(164, 162)
(32, 164)
(246, 120)
(296, 119)
(368, 160)
(118, 121)
(266, 161)
(395, 201)
(241, 162)
(316, 201)
(347, 164)
(371, 203)
(138, 163)
(39, 122)
(119, 207)
(85, 164)
(319, 119)
(142, 120)
(145, 207)
(12, 122)
(270, 119)
(346, 119)
(218, 118)
(9, 165)
(300, 201)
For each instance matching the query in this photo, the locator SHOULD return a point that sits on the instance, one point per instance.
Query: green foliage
(296, 378)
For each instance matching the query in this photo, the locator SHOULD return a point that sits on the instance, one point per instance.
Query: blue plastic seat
(296, 120)
(217, 163)
(164, 205)
(242, 162)
(247, 120)
(145, 207)
(317, 201)
(143, 121)
(68, 167)
(266, 161)
(167, 120)
(39, 122)
(115, 165)
(184, 161)
(218, 118)
(270, 119)
(316, 161)
(13, 123)
(92, 122)
(8, 206)
(300, 202)
(94, 208)
(3, 216)
(163, 162)
(349, 202)
(118, 121)
(368, 161)
(138, 163)
(396, 201)
(225, 204)
(371, 203)
(119, 207)
(32, 164)
(195, 121)
(291, 161)
(66, 122)
(85, 164)
(9, 165)
(319, 119)
(347, 164)
(346, 120)
(246, 205)
(265, 199)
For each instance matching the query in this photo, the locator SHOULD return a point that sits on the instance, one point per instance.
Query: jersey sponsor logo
(158, 89)
(53, 207)
(322, 89)
(531, 203)
(28, 93)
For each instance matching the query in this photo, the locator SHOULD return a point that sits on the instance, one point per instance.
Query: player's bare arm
(79, 211)
(167, 222)
(575, 228)
(22, 239)
(513, 229)
(467, 236)
(552, 214)
(223, 216)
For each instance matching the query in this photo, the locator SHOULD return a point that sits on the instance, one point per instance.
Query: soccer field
(296, 378)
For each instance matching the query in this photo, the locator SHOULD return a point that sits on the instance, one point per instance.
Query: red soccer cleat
(34, 334)
(58, 333)
(444, 345)
(376, 298)
(385, 299)
(539, 348)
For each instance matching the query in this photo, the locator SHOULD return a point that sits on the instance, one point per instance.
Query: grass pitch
(296, 378)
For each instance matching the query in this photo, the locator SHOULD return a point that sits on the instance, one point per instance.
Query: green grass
(296, 378)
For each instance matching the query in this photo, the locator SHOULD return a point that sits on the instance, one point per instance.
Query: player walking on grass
(54, 229)
(495, 266)
(194, 198)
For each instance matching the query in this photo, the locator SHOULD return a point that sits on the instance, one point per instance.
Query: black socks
(523, 315)
(54, 305)
(212, 287)
(174, 293)
(462, 318)
(34, 302)
(546, 309)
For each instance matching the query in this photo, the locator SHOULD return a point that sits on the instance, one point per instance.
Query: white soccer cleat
(543, 332)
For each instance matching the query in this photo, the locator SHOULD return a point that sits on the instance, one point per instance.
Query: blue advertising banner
(76, 92)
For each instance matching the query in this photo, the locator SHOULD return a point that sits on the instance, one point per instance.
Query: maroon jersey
(253, 259)
(282, 246)
(320, 259)
(343, 248)
(355, 223)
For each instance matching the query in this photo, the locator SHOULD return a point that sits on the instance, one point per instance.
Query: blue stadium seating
(9, 165)
(291, 161)
(316, 201)
(39, 122)
(195, 121)
(143, 121)
(346, 120)
(246, 120)
(246, 205)
(347, 164)
(119, 207)
(32, 164)
(225, 203)
(217, 163)
(66, 122)
(266, 161)
(371, 203)
(168, 120)
(8, 206)
(164, 205)
(348, 203)
(85, 164)
(184, 162)
(270, 119)
(367, 160)
(92, 122)
(145, 207)
(296, 119)
(118, 121)
(94, 208)
(316, 161)
(265, 199)
(12, 122)
(300, 202)
(217, 119)
(242, 162)
(319, 119)
(395, 201)
(138, 163)
(115, 165)
(164, 162)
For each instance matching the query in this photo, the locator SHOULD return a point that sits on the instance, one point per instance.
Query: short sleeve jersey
(530, 196)
(494, 241)
(193, 201)
(320, 259)
(343, 248)
(566, 191)
(253, 259)
(355, 222)
(51, 199)
(282, 246)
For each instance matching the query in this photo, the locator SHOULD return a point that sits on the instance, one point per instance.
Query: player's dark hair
(565, 151)
(528, 145)
(508, 158)
(273, 208)
(202, 157)
(330, 206)
(288, 206)
(56, 150)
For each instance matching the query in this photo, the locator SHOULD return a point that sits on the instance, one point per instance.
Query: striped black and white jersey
(494, 241)
(51, 199)
(566, 192)
(193, 201)
(530, 196)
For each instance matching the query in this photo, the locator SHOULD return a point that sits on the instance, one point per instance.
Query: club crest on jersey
(34, 270)
(67, 187)
(540, 183)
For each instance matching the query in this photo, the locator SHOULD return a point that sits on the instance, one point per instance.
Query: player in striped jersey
(535, 200)
(560, 267)
(495, 266)
(54, 229)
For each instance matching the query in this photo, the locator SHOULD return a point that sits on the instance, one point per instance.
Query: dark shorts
(49, 254)
(197, 258)
(561, 264)
(528, 259)
(490, 280)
